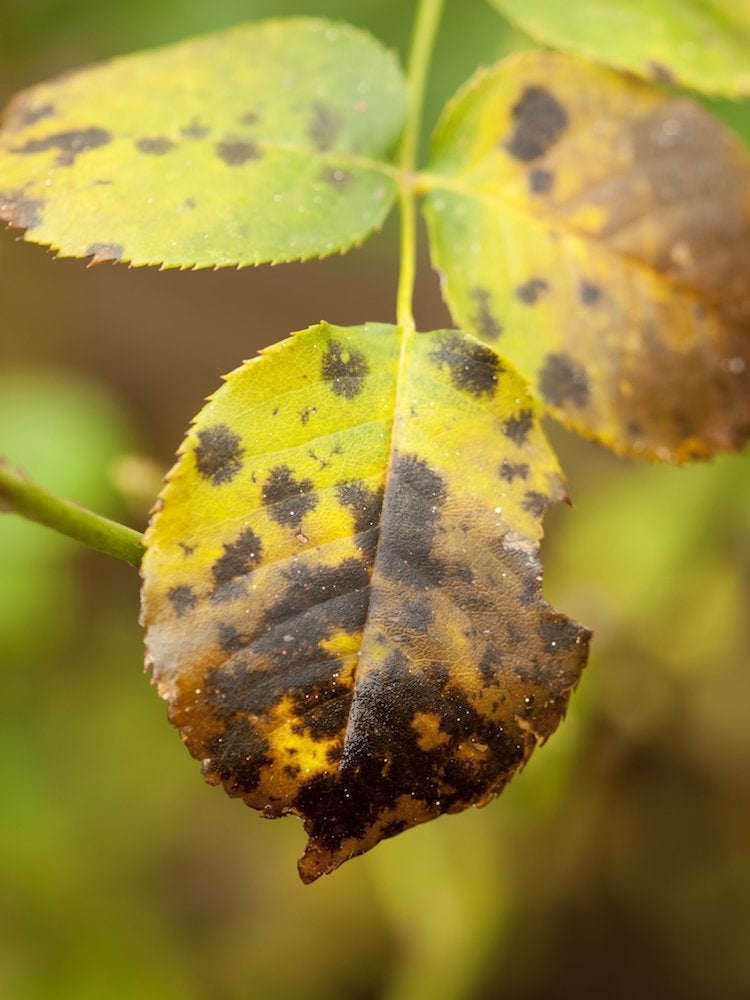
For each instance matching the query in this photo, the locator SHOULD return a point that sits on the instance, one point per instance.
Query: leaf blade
(363, 641)
(259, 144)
(595, 230)
(692, 43)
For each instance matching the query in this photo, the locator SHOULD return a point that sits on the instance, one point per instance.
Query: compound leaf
(597, 231)
(702, 44)
(342, 590)
(256, 144)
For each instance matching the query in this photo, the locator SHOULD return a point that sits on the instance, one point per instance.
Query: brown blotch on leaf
(662, 73)
(536, 503)
(183, 599)
(562, 380)
(510, 471)
(530, 292)
(589, 293)
(539, 121)
(336, 177)
(20, 212)
(473, 368)
(324, 126)
(487, 324)
(195, 130)
(156, 145)
(288, 499)
(517, 428)
(345, 368)
(236, 152)
(240, 557)
(70, 144)
(218, 455)
(249, 118)
(541, 181)
(102, 253)
(21, 115)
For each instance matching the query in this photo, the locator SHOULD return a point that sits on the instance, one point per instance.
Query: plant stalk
(21, 496)
(426, 23)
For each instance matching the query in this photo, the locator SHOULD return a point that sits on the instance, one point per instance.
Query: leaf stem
(426, 23)
(19, 495)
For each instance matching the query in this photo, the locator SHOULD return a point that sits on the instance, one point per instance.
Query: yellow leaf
(342, 590)
(597, 232)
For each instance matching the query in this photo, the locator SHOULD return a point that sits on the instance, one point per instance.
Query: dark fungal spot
(102, 253)
(589, 293)
(237, 756)
(305, 414)
(156, 145)
(20, 212)
(387, 759)
(487, 325)
(324, 126)
(195, 130)
(230, 639)
(336, 177)
(236, 152)
(538, 122)
(509, 471)
(662, 73)
(240, 557)
(364, 504)
(70, 144)
(416, 616)
(27, 116)
(187, 550)
(517, 428)
(411, 513)
(218, 456)
(473, 368)
(529, 292)
(345, 368)
(190, 203)
(535, 503)
(288, 499)
(249, 118)
(562, 380)
(183, 599)
(541, 181)
(558, 633)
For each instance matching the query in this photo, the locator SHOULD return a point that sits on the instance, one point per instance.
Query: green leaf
(597, 232)
(701, 44)
(342, 590)
(256, 144)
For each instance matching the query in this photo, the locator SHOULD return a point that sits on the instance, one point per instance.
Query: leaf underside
(701, 44)
(252, 145)
(597, 232)
(342, 590)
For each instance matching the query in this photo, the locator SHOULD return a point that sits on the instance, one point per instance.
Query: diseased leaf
(342, 590)
(597, 232)
(252, 145)
(702, 44)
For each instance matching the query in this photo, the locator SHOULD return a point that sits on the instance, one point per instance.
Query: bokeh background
(617, 865)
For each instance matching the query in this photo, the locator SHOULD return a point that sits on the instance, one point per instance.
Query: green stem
(426, 24)
(20, 495)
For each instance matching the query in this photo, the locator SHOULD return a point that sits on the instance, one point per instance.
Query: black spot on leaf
(218, 456)
(288, 499)
(473, 368)
(236, 152)
(70, 144)
(509, 471)
(488, 326)
(529, 292)
(183, 599)
(562, 380)
(589, 293)
(558, 632)
(541, 181)
(195, 130)
(249, 118)
(27, 116)
(364, 504)
(539, 121)
(240, 558)
(324, 126)
(345, 368)
(237, 756)
(517, 428)
(156, 145)
(535, 503)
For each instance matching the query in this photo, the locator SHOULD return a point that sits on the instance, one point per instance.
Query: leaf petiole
(21, 496)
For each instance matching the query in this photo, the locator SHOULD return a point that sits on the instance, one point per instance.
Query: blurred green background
(617, 865)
